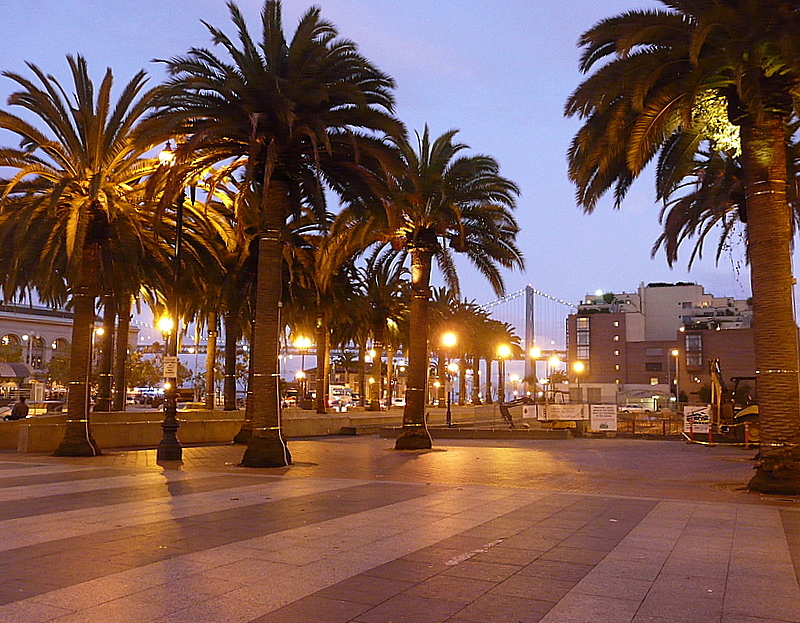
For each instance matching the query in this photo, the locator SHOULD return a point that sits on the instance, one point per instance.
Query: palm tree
(439, 203)
(662, 66)
(71, 214)
(296, 115)
(383, 277)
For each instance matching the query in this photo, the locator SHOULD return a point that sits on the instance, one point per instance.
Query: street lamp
(676, 353)
(303, 344)
(503, 353)
(452, 368)
(579, 368)
(169, 448)
(449, 340)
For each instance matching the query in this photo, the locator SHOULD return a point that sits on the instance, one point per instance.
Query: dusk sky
(498, 71)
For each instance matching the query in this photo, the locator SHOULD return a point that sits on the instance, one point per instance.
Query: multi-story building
(37, 333)
(647, 346)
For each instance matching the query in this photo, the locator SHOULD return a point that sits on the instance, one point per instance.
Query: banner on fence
(565, 412)
(603, 417)
(696, 419)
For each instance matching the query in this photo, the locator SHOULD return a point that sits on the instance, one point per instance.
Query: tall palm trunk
(232, 335)
(106, 355)
(462, 381)
(769, 234)
(390, 352)
(378, 331)
(488, 384)
(211, 360)
(362, 372)
(323, 365)
(415, 435)
(78, 440)
(246, 431)
(476, 380)
(266, 447)
(121, 347)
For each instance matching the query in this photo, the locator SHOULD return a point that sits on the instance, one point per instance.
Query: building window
(653, 367)
(616, 366)
(694, 349)
(583, 338)
(653, 380)
(616, 323)
(653, 352)
(616, 352)
(616, 338)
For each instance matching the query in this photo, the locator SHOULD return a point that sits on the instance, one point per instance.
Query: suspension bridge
(539, 319)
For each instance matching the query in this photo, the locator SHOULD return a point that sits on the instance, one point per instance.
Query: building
(648, 346)
(37, 333)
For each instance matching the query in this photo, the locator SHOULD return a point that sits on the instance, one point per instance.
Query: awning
(15, 370)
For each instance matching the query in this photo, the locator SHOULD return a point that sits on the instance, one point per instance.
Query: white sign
(603, 417)
(696, 419)
(530, 412)
(565, 412)
(170, 367)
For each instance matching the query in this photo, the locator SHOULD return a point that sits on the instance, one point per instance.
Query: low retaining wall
(142, 429)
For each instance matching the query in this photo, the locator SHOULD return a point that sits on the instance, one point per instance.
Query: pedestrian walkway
(581, 530)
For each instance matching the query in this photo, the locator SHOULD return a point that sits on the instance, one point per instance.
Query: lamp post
(452, 369)
(535, 354)
(449, 340)
(169, 448)
(303, 344)
(503, 353)
(676, 353)
(579, 368)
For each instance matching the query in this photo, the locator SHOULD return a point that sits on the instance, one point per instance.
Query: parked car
(634, 408)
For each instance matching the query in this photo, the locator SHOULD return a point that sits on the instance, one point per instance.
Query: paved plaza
(481, 531)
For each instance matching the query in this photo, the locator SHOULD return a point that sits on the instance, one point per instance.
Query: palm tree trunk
(246, 431)
(476, 380)
(389, 374)
(266, 447)
(362, 373)
(323, 366)
(489, 399)
(415, 435)
(121, 347)
(462, 381)
(769, 233)
(377, 361)
(106, 356)
(231, 352)
(211, 361)
(78, 440)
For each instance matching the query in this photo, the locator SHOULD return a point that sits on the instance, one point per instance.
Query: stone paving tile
(575, 608)
(407, 609)
(616, 544)
(366, 590)
(315, 609)
(450, 588)
(500, 608)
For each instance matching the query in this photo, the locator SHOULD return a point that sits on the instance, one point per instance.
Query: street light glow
(535, 352)
(504, 351)
(302, 342)
(165, 324)
(449, 339)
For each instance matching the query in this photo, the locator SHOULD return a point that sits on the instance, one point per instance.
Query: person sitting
(19, 411)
